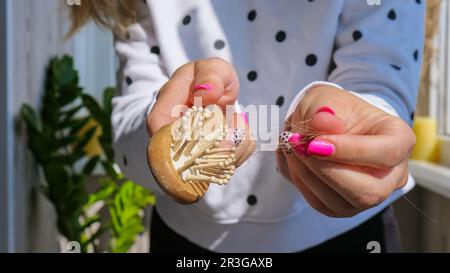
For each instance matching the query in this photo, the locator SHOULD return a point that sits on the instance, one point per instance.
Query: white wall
(95, 58)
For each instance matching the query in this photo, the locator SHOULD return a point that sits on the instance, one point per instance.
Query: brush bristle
(195, 146)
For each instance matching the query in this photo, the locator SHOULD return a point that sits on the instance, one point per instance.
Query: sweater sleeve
(378, 53)
(140, 76)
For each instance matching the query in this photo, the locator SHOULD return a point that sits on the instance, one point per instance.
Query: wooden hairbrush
(194, 151)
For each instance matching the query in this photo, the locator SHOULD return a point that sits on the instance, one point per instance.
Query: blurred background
(32, 32)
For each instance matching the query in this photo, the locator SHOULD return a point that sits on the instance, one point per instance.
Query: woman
(357, 68)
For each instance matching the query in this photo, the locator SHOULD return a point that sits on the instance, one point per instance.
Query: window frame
(7, 189)
(439, 90)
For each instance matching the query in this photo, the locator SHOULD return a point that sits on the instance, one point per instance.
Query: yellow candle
(427, 144)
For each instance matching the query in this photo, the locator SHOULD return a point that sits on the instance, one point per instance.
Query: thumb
(325, 121)
(215, 82)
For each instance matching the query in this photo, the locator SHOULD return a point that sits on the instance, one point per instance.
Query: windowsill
(433, 177)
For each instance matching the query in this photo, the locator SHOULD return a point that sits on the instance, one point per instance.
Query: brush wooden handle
(194, 151)
(160, 163)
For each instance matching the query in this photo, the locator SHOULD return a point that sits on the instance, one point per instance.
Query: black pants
(381, 228)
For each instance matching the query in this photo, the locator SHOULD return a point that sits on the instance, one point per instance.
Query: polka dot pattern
(155, 50)
(284, 137)
(396, 67)
(252, 200)
(186, 20)
(280, 101)
(128, 80)
(392, 15)
(357, 35)
(311, 59)
(283, 143)
(238, 136)
(252, 75)
(280, 36)
(219, 44)
(416, 55)
(251, 16)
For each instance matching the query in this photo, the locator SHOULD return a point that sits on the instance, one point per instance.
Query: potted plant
(71, 129)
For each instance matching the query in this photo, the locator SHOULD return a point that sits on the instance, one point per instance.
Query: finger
(215, 82)
(386, 149)
(239, 137)
(362, 187)
(325, 193)
(172, 98)
(326, 122)
(242, 138)
(322, 120)
(282, 166)
(310, 197)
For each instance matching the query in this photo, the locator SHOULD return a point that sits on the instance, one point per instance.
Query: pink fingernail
(202, 86)
(296, 145)
(295, 138)
(320, 148)
(326, 109)
(245, 117)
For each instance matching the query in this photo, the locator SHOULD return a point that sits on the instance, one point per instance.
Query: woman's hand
(358, 158)
(211, 81)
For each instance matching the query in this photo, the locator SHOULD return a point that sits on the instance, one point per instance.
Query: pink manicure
(295, 138)
(294, 141)
(320, 148)
(245, 117)
(326, 109)
(202, 86)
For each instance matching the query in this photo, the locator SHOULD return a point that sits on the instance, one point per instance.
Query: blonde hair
(115, 15)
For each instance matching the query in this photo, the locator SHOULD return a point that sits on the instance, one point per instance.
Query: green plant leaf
(90, 165)
(76, 200)
(64, 72)
(73, 157)
(31, 117)
(95, 236)
(68, 140)
(114, 220)
(103, 193)
(79, 182)
(68, 95)
(76, 125)
(39, 147)
(93, 107)
(108, 95)
(125, 210)
(110, 171)
(89, 222)
(85, 138)
(107, 148)
(58, 180)
(69, 113)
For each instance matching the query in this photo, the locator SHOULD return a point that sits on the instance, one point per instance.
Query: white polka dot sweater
(277, 48)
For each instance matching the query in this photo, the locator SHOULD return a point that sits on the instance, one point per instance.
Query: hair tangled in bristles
(115, 15)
